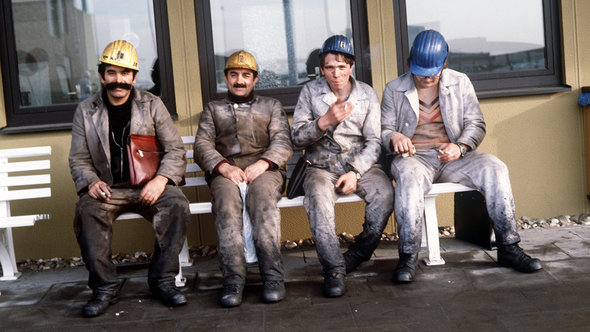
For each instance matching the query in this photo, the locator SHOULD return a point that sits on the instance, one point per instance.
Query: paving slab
(469, 293)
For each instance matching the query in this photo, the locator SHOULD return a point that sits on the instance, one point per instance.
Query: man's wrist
(462, 149)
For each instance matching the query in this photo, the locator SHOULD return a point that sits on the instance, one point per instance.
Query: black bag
(295, 186)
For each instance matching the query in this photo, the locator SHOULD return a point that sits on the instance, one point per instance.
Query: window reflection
(58, 44)
(484, 36)
(283, 35)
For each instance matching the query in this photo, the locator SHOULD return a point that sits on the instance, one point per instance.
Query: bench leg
(184, 257)
(7, 258)
(180, 280)
(431, 227)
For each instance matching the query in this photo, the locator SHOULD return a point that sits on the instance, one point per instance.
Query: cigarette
(102, 193)
(345, 106)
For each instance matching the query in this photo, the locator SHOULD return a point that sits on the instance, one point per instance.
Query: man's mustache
(238, 85)
(115, 85)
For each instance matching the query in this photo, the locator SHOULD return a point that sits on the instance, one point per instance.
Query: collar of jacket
(406, 86)
(356, 93)
(250, 102)
(100, 116)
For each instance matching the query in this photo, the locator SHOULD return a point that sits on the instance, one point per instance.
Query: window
(283, 35)
(505, 47)
(49, 53)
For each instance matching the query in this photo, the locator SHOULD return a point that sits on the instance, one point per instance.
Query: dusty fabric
(459, 107)
(414, 175)
(352, 144)
(93, 225)
(90, 154)
(261, 201)
(241, 134)
(320, 196)
(90, 161)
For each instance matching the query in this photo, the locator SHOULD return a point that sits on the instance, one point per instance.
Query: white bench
(7, 221)
(431, 223)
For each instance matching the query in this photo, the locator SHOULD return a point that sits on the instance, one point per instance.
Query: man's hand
(335, 114)
(99, 190)
(402, 144)
(235, 174)
(254, 170)
(152, 190)
(346, 183)
(449, 152)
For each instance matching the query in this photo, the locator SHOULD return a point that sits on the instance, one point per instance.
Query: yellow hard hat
(120, 53)
(241, 59)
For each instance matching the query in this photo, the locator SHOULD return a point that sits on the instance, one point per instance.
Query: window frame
(59, 116)
(491, 85)
(287, 95)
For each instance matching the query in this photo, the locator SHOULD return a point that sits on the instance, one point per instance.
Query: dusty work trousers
(261, 203)
(414, 177)
(93, 225)
(320, 196)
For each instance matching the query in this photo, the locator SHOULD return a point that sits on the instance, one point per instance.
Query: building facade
(527, 72)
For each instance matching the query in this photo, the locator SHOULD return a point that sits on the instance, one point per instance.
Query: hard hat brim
(424, 71)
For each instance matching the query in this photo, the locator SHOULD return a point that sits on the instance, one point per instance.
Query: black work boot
(334, 284)
(99, 303)
(513, 256)
(406, 268)
(352, 259)
(273, 291)
(169, 295)
(231, 295)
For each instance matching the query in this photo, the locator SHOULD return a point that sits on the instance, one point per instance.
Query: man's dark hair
(348, 59)
(102, 67)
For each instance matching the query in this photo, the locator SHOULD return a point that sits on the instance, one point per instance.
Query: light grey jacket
(353, 143)
(243, 133)
(90, 154)
(459, 107)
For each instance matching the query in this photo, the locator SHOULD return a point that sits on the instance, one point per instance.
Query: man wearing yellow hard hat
(244, 139)
(100, 169)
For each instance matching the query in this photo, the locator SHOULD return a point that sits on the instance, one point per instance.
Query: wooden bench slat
(26, 152)
(13, 195)
(195, 182)
(21, 221)
(448, 187)
(23, 166)
(192, 167)
(13, 181)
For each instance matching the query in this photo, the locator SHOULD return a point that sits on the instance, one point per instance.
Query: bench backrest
(9, 166)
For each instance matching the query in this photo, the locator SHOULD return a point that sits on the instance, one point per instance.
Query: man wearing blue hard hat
(337, 121)
(432, 124)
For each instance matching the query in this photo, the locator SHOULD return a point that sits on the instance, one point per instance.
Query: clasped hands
(402, 144)
(237, 175)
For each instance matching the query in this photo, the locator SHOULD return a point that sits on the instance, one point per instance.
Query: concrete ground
(469, 293)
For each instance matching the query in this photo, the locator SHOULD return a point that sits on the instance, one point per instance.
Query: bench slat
(13, 195)
(23, 166)
(195, 182)
(26, 152)
(26, 180)
(192, 167)
(448, 187)
(21, 221)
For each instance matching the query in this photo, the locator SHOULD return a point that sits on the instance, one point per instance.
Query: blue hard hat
(428, 54)
(338, 43)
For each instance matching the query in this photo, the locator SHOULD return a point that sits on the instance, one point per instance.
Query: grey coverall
(353, 144)
(90, 160)
(414, 176)
(241, 134)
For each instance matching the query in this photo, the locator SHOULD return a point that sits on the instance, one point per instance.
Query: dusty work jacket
(241, 134)
(459, 108)
(351, 144)
(90, 154)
